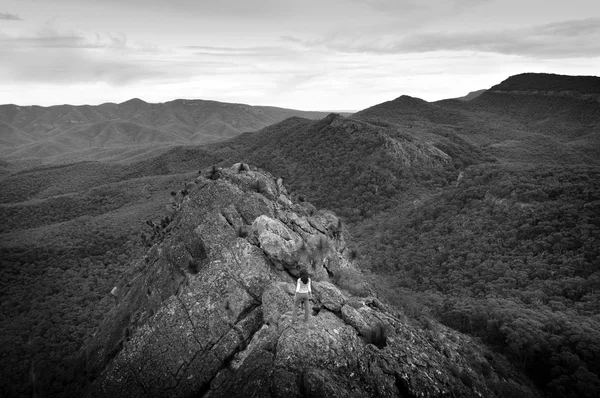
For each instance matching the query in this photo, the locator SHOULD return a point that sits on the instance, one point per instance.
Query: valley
(481, 213)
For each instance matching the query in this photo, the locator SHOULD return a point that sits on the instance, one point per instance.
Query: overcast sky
(303, 54)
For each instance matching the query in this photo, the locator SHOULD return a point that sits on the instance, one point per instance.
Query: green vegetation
(351, 280)
(376, 335)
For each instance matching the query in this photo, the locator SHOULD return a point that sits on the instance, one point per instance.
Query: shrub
(196, 249)
(193, 266)
(507, 389)
(484, 368)
(336, 230)
(241, 231)
(214, 173)
(427, 323)
(455, 370)
(376, 335)
(302, 253)
(466, 378)
(259, 186)
(352, 281)
(323, 248)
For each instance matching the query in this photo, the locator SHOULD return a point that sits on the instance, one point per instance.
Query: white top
(303, 288)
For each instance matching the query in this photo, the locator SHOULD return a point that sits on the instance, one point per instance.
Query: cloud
(404, 6)
(50, 36)
(9, 17)
(71, 66)
(52, 55)
(256, 51)
(567, 39)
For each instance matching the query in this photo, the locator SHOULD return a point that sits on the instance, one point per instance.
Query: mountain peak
(209, 312)
(407, 99)
(134, 101)
(332, 117)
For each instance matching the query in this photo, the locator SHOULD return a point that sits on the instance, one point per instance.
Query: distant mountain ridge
(471, 95)
(550, 82)
(578, 87)
(41, 132)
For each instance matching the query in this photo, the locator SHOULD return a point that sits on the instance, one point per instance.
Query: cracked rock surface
(208, 312)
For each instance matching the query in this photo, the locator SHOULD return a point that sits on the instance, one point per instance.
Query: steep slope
(508, 255)
(354, 167)
(65, 129)
(508, 252)
(549, 104)
(208, 312)
(585, 87)
(547, 118)
(63, 246)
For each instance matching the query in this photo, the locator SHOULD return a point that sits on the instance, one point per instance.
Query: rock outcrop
(208, 312)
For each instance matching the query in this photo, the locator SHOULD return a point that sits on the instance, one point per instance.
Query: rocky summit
(207, 311)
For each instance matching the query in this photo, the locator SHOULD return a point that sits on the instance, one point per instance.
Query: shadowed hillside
(548, 83)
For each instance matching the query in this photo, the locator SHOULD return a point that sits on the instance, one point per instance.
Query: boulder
(353, 318)
(278, 242)
(328, 296)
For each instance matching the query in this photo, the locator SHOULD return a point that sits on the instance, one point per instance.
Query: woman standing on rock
(303, 293)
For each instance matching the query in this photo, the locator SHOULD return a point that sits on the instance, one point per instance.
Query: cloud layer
(9, 17)
(567, 39)
(313, 54)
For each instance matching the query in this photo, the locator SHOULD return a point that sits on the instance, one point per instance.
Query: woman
(303, 293)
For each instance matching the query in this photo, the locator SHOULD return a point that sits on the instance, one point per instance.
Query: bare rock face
(278, 241)
(209, 311)
(329, 296)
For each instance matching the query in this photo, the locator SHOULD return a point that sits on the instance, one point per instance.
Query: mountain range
(480, 212)
(36, 135)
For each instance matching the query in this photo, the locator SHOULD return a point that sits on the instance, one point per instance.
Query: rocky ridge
(207, 311)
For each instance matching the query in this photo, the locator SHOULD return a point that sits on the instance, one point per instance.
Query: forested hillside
(482, 212)
(32, 136)
(549, 82)
(60, 256)
(511, 256)
(353, 167)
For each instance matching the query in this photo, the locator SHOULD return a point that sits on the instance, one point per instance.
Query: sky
(301, 54)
